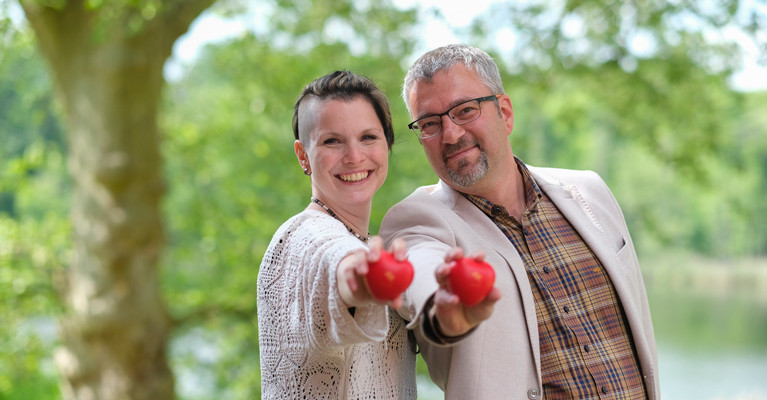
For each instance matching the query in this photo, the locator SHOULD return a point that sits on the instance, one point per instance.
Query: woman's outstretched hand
(353, 270)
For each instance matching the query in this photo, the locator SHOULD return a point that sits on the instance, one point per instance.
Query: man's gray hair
(445, 57)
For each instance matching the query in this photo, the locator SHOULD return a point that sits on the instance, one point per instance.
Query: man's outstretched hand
(455, 317)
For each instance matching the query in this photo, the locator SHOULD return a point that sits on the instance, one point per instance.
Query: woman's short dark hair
(347, 86)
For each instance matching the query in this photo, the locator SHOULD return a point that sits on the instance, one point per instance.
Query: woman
(321, 333)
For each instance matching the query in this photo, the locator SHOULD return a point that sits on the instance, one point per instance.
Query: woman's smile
(354, 177)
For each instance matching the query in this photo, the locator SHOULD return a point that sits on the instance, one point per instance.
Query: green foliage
(34, 223)
(685, 156)
(28, 113)
(373, 28)
(591, 33)
(656, 75)
(34, 249)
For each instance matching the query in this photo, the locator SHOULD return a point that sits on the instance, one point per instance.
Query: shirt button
(566, 308)
(533, 394)
(587, 348)
(546, 269)
(496, 210)
(604, 389)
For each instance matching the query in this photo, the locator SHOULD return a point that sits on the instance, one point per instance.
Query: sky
(209, 28)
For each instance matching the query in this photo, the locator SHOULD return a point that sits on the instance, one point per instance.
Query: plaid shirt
(586, 347)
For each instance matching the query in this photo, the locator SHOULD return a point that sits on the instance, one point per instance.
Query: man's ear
(507, 112)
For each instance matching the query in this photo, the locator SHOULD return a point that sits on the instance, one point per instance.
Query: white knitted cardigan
(311, 347)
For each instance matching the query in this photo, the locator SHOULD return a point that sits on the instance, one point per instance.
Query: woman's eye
(330, 141)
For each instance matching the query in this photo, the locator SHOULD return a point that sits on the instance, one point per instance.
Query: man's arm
(429, 304)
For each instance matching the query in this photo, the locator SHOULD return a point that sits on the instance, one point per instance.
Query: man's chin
(467, 174)
(465, 180)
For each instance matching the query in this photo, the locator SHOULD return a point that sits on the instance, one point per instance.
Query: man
(573, 321)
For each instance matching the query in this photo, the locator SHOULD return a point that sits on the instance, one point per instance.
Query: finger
(444, 298)
(351, 280)
(376, 242)
(361, 267)
(375, 246)
(399, 249)
(477, 255)
(453, 254)
(484, 309)
(487, 303)
(396, 303)
(494, 295)
(442, 273)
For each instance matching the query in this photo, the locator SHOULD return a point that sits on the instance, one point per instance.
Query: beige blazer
(501, 358)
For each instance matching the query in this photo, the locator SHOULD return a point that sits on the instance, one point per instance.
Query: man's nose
(451, 132)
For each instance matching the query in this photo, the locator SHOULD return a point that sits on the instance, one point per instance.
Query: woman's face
(347, 152)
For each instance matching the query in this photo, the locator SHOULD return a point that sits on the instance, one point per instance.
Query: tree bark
(107, 64)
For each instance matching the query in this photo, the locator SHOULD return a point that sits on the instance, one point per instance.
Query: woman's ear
(303, 159)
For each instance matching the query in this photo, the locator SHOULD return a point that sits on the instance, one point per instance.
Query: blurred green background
(641, 92)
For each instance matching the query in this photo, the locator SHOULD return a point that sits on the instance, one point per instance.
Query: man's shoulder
(563, 176)
(424, 203)
(586, 183)
(426, 194)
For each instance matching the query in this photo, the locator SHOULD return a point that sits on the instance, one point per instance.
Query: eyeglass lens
(460, 114)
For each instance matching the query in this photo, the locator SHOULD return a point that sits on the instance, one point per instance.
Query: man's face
(462, 155)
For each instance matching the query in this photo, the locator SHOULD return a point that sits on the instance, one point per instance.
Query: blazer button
(533, 394)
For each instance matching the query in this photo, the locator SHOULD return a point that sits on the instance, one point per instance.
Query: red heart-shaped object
(388, 277)
(471, 280)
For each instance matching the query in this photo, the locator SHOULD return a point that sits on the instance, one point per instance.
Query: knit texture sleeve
(299, 306)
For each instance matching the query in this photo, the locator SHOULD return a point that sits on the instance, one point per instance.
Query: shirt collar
(533, 193)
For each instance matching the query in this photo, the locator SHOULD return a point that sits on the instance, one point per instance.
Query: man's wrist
(432, 327)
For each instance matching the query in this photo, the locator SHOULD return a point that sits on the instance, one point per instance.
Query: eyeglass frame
(479, 101)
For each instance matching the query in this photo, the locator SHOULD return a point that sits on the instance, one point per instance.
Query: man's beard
(468, 174)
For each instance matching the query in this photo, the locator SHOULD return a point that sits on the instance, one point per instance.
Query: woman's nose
(354, 154)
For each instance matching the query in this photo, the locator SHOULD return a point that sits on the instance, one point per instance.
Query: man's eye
(427, 124)
(466, 110)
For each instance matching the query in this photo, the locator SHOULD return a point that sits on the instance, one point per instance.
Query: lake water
(692, 375)
(712, 374)
(697, 373)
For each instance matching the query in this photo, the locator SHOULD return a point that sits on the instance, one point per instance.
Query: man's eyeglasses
(463, 113)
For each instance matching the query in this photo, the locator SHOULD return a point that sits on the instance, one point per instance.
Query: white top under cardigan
(310, 345)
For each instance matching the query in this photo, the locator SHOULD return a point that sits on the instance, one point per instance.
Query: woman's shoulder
(310, 223)
(314, 228)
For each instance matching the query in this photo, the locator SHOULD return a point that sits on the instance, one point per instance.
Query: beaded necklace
(332, 214)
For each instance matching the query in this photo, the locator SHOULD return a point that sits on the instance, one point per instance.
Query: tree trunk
(107, 63)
